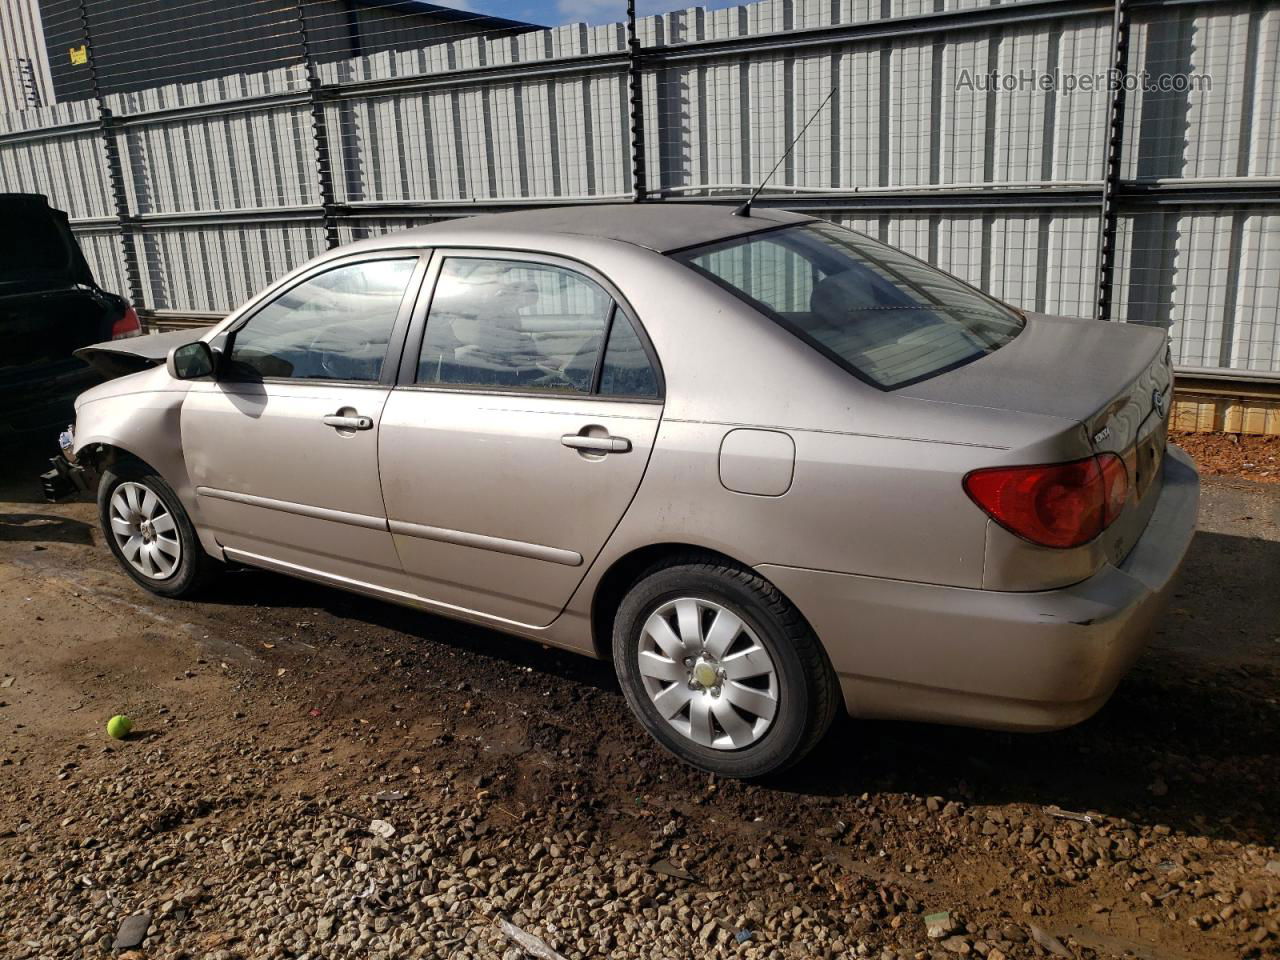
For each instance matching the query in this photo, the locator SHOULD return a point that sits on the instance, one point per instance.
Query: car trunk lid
(46, 327)
(1057, 366)
(1134, 425)
(1114, 379)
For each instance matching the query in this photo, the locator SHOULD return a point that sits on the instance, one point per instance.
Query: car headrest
(854, 289)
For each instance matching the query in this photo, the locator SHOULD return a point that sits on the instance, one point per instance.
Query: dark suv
(50, 306)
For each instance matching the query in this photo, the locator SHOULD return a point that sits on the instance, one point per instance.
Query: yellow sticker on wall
(79, 56)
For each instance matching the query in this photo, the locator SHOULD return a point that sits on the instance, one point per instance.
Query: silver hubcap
(145, 531)
(708, 674)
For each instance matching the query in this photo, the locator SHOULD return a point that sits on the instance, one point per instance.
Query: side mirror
(191, 361)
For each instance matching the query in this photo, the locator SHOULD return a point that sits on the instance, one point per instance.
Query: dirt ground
(1233, 454)
(315, 774)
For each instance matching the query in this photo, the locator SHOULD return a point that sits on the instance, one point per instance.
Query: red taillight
(1115, 485)
(127, 326)
(1054, 505)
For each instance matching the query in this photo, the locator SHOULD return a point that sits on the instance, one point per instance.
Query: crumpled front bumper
(1016, 661)
(67, 478)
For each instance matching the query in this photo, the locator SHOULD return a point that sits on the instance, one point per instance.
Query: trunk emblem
(1157, 398)
(1102, 434)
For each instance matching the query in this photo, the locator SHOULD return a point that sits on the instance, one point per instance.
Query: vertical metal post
(320, 135)
(115, 170)
(1113, 156)
(639, 186)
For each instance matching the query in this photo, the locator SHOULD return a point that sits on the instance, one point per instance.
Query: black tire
(195, 569)
(808, 694)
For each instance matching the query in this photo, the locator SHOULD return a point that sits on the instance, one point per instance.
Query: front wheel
(149, 532)
(722, 670)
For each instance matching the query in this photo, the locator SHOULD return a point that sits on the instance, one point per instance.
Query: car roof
(659, 226)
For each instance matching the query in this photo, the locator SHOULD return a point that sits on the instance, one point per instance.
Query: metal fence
(958, 131)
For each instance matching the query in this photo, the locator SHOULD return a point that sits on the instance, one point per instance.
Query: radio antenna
(745, 209)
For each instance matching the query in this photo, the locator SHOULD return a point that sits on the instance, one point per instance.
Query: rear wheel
(149, 532)
(722, 670)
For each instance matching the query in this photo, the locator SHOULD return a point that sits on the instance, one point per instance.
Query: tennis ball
(118, 727)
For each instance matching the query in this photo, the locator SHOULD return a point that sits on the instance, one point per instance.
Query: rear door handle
(348, 423)
(596, 444)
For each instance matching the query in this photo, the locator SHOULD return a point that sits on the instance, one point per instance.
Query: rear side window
(529, 327)
(888, 318)
(626, 371)
(334, 326)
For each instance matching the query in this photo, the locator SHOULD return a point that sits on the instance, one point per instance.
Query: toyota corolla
(771, 468)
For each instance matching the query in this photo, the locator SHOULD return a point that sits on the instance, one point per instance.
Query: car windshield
(888, 318)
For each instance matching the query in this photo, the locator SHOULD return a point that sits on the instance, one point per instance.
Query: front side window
(887, 317)
(334, 326)
(514, 325)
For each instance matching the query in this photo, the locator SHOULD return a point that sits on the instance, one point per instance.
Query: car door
(282, 447)
(518, 433)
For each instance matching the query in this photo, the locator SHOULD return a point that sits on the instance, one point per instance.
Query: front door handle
(340, 422)
(596, 444)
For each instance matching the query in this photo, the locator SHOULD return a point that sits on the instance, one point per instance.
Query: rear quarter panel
(854, 505)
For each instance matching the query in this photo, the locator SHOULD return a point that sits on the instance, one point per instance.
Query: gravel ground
(320, 775)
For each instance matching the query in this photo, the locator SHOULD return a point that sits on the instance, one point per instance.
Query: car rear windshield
(39, 247)
(886, 317)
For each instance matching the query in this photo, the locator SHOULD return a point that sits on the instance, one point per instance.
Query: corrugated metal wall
(221, 175)
(25, 79)
(147, 43)
(1041, 261)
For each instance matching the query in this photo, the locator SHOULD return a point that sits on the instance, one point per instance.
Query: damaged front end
(68, 477)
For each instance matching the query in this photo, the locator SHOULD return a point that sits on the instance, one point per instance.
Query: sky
(556, 12)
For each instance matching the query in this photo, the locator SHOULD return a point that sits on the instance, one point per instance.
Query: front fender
(143, 422)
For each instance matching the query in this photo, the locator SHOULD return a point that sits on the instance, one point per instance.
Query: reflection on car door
(518, 435)
(282, 447)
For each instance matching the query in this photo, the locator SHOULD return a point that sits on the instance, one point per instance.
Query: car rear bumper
(1013, 661)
